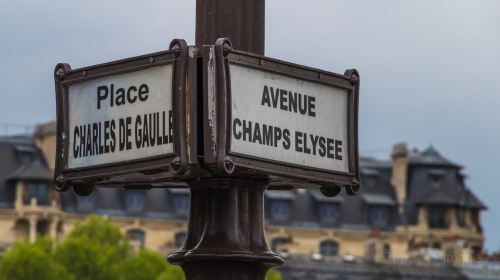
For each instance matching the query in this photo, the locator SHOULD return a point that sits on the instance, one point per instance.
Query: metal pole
(242, 21)
(225, 238)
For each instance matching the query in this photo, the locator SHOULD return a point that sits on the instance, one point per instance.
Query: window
(387, 251)
(38, 191)
(437, 217)
(280, 210)
(379, 216)
(460, 216)
(328, 212)
(136, 238)
(25, 154)
(42, 227)
(370, 181)
(329, 248)
(436, 176)
(134, 201)
(181, 203)
(85, 203)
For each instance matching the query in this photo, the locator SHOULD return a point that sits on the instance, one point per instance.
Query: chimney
(45, 140)
(400, 173)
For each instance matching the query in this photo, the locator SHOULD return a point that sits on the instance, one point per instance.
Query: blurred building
(415, 207)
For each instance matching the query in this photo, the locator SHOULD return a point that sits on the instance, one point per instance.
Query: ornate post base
(225, 238)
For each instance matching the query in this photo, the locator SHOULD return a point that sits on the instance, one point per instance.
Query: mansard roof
(431, 156)
(12, 165)
(34, 170)
(376, 191)
(470, 200)
(439, 197)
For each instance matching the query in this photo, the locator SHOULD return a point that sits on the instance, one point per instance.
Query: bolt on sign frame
(183, 60)
(218, 154)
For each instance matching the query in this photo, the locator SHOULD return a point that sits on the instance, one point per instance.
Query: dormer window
(379, 216)
(280, 210)
(370, 181)
(179, 199)
(328, 212)
(436, 177)
(38, 191)
(25, 154)
(181, 203)
(369, 177)
(134, 201)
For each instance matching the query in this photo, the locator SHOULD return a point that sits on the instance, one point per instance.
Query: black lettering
(143, 92)
(314, 141)
(236, 135)
(265, 97)
(112, 95)
(128, 121)
(170, 127)
(122, 138)
(274, 97)
(257, 137)
(306, 149)
(322, 146)
(88, 148)
(82, 141)
(106, 137)
(102, 94)
(330, 148)
(138, 132)
(158, 136)
(76, 135)
(165, 135)
(277, 136)
(283, 100)
(338, 149)
(312, 106)
(298, 141)
(120, 99)
(101, 146)
(129, 91)
(247, 131)
(286, 139)
(145, 132)
(267, 135)
(292, 99)
(112, 144)
(95, 145)
(152, 130)
(302, 104)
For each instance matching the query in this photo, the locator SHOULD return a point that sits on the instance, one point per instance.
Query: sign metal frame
(217, 110)
(183, 59)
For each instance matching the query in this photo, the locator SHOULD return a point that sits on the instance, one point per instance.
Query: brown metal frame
(217, 107)
(183, 59)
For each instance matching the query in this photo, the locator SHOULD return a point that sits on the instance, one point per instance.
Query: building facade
(414, 207)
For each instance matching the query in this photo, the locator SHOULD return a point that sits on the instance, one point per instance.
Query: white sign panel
(120, 118)
(288, 120)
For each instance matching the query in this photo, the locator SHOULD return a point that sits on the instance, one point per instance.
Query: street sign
(279, 118)
(126, 116)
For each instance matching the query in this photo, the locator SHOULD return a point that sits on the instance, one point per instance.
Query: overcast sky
(430, 70)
